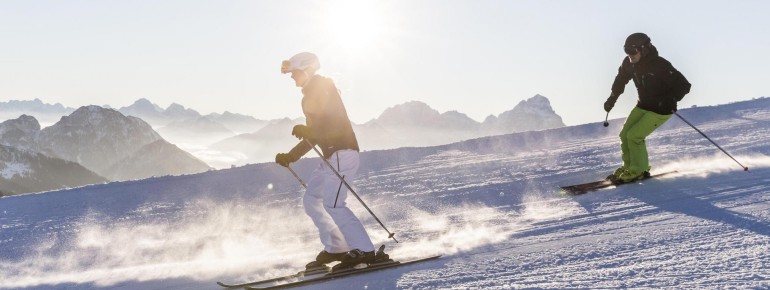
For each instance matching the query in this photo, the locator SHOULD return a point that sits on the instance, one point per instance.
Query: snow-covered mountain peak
(25, 123)
(538, 105)
(410, 113)
(534, 113)
(96, 117)
(175, 106)
(20, 132)
(176, 111)
(110, 136)
(144, 105)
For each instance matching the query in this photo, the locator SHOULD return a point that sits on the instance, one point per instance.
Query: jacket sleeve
(621, 80)
(299, 150)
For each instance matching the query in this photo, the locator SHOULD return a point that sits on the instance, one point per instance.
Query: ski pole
(607, 124)
(712, 141)
(297, 177)
(390, 235)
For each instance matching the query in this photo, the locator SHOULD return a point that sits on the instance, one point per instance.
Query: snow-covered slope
(24, 171)
(489, 205)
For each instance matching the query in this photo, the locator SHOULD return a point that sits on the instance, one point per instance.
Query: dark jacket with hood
(326, 118)
(658, 83)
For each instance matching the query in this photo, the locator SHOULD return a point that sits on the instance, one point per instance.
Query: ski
(343, 273)
(299, 274)
(578, 189)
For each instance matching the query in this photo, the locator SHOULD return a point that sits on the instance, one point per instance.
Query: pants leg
(329, 233)
(335, 195)
(633, 117)
(339, 228)
(634, 136)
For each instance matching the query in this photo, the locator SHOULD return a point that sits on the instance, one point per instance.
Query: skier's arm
(306, 133)
(284, 159)
(618, 86)
(299, 150)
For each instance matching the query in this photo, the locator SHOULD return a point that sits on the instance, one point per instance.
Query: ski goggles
(632, 49)
(285, 66)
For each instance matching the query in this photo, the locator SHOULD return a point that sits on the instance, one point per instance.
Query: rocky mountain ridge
(412, 124)
(223, 140)
(92, 141)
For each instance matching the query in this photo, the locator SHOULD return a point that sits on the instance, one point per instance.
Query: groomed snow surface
(491, 206)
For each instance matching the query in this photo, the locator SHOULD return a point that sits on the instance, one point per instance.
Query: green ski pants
(639, 124)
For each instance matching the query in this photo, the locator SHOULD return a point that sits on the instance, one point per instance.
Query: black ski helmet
(636, 42)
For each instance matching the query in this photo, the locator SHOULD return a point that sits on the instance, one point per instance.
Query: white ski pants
(324, 201)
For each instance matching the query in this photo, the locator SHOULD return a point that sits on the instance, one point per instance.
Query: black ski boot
(355, 259)
(381, 257)
(322, 259)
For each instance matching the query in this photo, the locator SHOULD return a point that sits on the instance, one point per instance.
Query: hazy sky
(475, 56)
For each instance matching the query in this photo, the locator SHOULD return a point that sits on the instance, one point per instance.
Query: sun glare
(356, 28)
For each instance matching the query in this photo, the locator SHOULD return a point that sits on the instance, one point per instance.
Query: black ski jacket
(327, 119)
(658, 83)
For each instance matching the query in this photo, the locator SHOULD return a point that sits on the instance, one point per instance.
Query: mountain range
(143, 139)
(91, 144)
(412, 124)
(186, 119)
(417, 124)
(43, 112)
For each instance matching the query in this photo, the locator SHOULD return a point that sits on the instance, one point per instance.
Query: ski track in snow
(495, 214)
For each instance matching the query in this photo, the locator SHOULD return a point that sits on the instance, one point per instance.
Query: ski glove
(610, 103)
(301, 132)
(284, 159)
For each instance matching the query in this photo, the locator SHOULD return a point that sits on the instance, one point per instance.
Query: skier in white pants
(328, 126)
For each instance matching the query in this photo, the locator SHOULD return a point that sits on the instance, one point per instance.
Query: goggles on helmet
(285, 66)
(632, 49)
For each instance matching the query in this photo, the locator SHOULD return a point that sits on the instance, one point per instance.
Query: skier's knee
(340, 215)
(332, 206)
(636, 141)
(635, 138)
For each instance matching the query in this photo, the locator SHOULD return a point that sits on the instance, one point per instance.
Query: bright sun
(356, 27)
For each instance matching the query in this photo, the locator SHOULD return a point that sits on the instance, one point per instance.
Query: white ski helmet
(302, 60)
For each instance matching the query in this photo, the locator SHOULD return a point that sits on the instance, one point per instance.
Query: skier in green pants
(660, 86)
